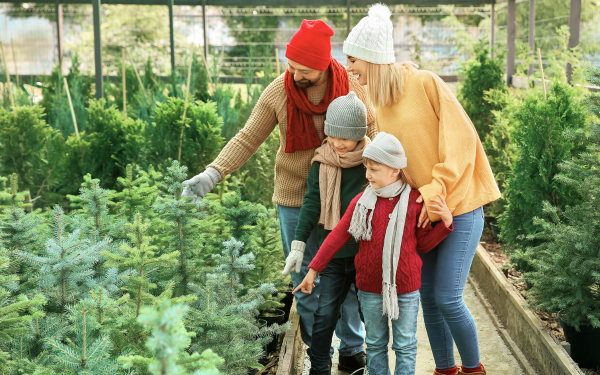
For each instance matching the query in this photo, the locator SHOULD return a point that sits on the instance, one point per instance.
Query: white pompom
(380, 11)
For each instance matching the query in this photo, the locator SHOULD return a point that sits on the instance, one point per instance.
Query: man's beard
(305, 83)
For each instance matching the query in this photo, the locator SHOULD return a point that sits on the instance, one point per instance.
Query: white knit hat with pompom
(371, 40)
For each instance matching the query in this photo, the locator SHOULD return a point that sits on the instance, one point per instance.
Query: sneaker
(355, 364)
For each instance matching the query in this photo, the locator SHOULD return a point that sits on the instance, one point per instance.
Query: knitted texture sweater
(445, 155)
(291, 169)
(353, 182)
(368, 261)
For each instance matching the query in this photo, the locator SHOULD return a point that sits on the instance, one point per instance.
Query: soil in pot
(585, 344)
(276, 316)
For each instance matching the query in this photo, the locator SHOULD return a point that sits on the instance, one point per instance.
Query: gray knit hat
(386, 149)
(346, 118)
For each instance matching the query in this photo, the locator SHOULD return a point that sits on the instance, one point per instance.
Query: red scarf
(301, 133)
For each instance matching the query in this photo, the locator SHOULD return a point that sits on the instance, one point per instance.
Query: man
(297, 100)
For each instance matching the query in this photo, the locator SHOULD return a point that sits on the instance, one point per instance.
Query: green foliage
(67, 265)
(169, 342)
(499, 144)
(482, 73)
(181, 217)
(137, 194)
(201, 140)
(542, 146)
(225, 312)
(32, 150)
(566, 272)
(85, 350)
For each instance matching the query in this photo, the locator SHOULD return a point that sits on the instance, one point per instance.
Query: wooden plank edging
(292, 347)
(529, 333)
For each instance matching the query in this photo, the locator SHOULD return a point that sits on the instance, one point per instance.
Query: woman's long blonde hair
(385, 82)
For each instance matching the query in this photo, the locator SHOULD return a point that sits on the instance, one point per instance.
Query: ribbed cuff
(355, 133)
(376, 154)
(316, 265)
(214, 174)
(374, 57)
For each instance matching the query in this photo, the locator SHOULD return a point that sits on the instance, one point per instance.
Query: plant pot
(271, 318)
(495, 229)
(261, 323)
(585, 344)
(487, 220)
(287, 301)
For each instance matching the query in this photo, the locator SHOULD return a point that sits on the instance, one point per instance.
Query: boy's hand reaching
(441, 208)
(307, 285)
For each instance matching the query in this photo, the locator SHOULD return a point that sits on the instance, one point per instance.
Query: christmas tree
(224, 315)
(137, 194)
(181, 218)
(66, 265)
(566, 269)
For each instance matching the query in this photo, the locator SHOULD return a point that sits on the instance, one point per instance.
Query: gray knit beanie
(386, 149)
(346, 118)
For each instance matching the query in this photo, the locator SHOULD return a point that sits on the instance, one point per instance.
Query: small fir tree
(86, 350)
(13, 312)
(225, 312)
(10, 196)
(66, 264)
(182, 217)
(141, 257)
(542, 146)
(169, 342)
(137, 194)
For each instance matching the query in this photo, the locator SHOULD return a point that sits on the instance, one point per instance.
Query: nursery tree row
(137, 280)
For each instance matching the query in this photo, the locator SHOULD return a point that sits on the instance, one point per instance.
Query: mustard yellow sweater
(444, 153)
(291, 170)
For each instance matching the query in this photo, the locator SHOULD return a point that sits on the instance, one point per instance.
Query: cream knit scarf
(330, 178)
(360, 228)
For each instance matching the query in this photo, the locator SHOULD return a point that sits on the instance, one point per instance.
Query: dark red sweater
(368, 260)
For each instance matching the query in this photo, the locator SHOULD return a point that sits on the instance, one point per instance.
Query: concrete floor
(495, 355)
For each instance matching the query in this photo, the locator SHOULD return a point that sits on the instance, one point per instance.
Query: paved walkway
(494, 353)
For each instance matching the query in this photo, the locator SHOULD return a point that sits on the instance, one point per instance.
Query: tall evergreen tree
(542, 146)
(566, 263)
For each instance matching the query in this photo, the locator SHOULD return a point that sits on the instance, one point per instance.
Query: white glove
(295, 258)
(201, 184)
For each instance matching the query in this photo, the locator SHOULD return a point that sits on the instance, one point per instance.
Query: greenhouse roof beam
(266, 2)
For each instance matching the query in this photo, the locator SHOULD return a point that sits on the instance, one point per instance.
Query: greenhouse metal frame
(574, 21)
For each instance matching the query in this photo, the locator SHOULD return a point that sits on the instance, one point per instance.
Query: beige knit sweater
(291, 170)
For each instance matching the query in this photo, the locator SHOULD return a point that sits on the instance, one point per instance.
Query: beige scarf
(330, 178)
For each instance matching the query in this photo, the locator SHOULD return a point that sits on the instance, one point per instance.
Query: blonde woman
(445, 157)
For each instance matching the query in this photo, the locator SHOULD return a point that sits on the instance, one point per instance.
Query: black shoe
(315, 372)
(353, 363)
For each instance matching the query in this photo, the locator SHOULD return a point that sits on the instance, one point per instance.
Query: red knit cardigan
(368, 260)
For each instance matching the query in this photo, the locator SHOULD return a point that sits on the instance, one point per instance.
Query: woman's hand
(441, 208)
(423, 218)
(307, 285)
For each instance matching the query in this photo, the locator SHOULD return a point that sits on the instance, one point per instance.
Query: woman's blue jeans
(404, 330)
(443, 277)
(349, 326)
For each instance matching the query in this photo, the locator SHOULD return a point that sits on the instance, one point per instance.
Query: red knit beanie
(311, 45)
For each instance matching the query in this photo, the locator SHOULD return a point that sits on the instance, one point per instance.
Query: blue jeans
(404, 330)
(337, 283)
(443, 277)
(349, 327)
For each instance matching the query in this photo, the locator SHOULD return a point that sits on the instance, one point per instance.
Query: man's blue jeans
(336, 284)
(404, 330)
(349, 327)
(443, 277)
